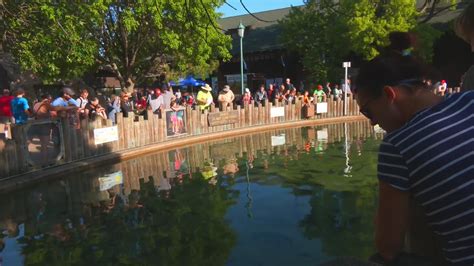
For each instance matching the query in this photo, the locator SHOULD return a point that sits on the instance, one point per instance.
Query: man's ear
(390, 93)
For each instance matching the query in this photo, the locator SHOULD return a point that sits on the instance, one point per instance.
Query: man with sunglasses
(427, 156)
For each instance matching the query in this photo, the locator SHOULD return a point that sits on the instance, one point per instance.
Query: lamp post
(241, 31)
(346, 66)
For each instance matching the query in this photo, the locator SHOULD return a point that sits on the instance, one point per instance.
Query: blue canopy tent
(188, 81)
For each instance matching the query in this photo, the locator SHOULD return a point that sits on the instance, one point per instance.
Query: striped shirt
(432, 157)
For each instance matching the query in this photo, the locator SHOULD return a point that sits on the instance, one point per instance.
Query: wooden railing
(22, 153)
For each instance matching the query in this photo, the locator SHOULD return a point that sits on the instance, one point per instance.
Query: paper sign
(277, 111)
(223, 118)
(321, 108)
(108, 181)
(106, 134)
(278, 140)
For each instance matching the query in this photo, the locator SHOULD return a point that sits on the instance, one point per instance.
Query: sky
(255, 6)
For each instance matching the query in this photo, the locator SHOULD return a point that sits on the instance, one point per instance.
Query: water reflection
(188, 206)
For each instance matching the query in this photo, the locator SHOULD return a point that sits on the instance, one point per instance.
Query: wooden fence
(21, 153)
(158, 166)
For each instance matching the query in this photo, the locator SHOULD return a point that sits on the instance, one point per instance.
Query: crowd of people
(286, 93)
(17, 108)
(92, 104)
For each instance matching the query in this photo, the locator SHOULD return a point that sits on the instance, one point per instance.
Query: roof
(271, 15)
(445, 16)
(265, 36)
(259, 35)
(259, 40)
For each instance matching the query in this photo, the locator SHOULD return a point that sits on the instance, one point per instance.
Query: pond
(299, 196)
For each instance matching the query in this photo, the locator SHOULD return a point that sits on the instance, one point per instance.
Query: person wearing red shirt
(5, 110)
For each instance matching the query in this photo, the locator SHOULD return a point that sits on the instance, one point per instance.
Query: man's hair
(19, 91)
(45, 96)
(84, 91)
(400, 41)
(391, 70)
(68, 91)
(464, 24)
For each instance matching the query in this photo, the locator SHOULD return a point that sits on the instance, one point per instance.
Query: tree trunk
(129, 85)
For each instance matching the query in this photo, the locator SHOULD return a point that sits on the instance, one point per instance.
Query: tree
(137, 39)
(315, 32)
(324, 31)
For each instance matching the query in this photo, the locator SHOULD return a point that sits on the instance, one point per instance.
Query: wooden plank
(195, 130)
(80, 138)
(267, 114)
(140, 129)
(239, 124)
(249, 115)
(351, 107)
(223, 118)
(187, 119)
(92, 146)
(3, 159)
(132, 132)
(121, 131)
(339, 108)
(163, 126)
(256, 114)
(75, 143)
(156, 125)
(136, 132)
(271, 119)
(11, 158)
(146, 131)
(85, 137)
(242, 117)
(109, 146)
(65, 140)
(299, 104)
(333, 110)
(100, 147)
(128, 132)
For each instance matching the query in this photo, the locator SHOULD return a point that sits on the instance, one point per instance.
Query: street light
(346, 66)
(241, 31)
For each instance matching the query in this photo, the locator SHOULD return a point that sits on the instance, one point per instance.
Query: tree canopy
(323, 32)
(136, 39)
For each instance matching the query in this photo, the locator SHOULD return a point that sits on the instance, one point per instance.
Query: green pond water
(302, 196)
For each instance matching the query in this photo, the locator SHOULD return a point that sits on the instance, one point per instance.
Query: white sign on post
(277, 111)
(321, 108)
(106, 134)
